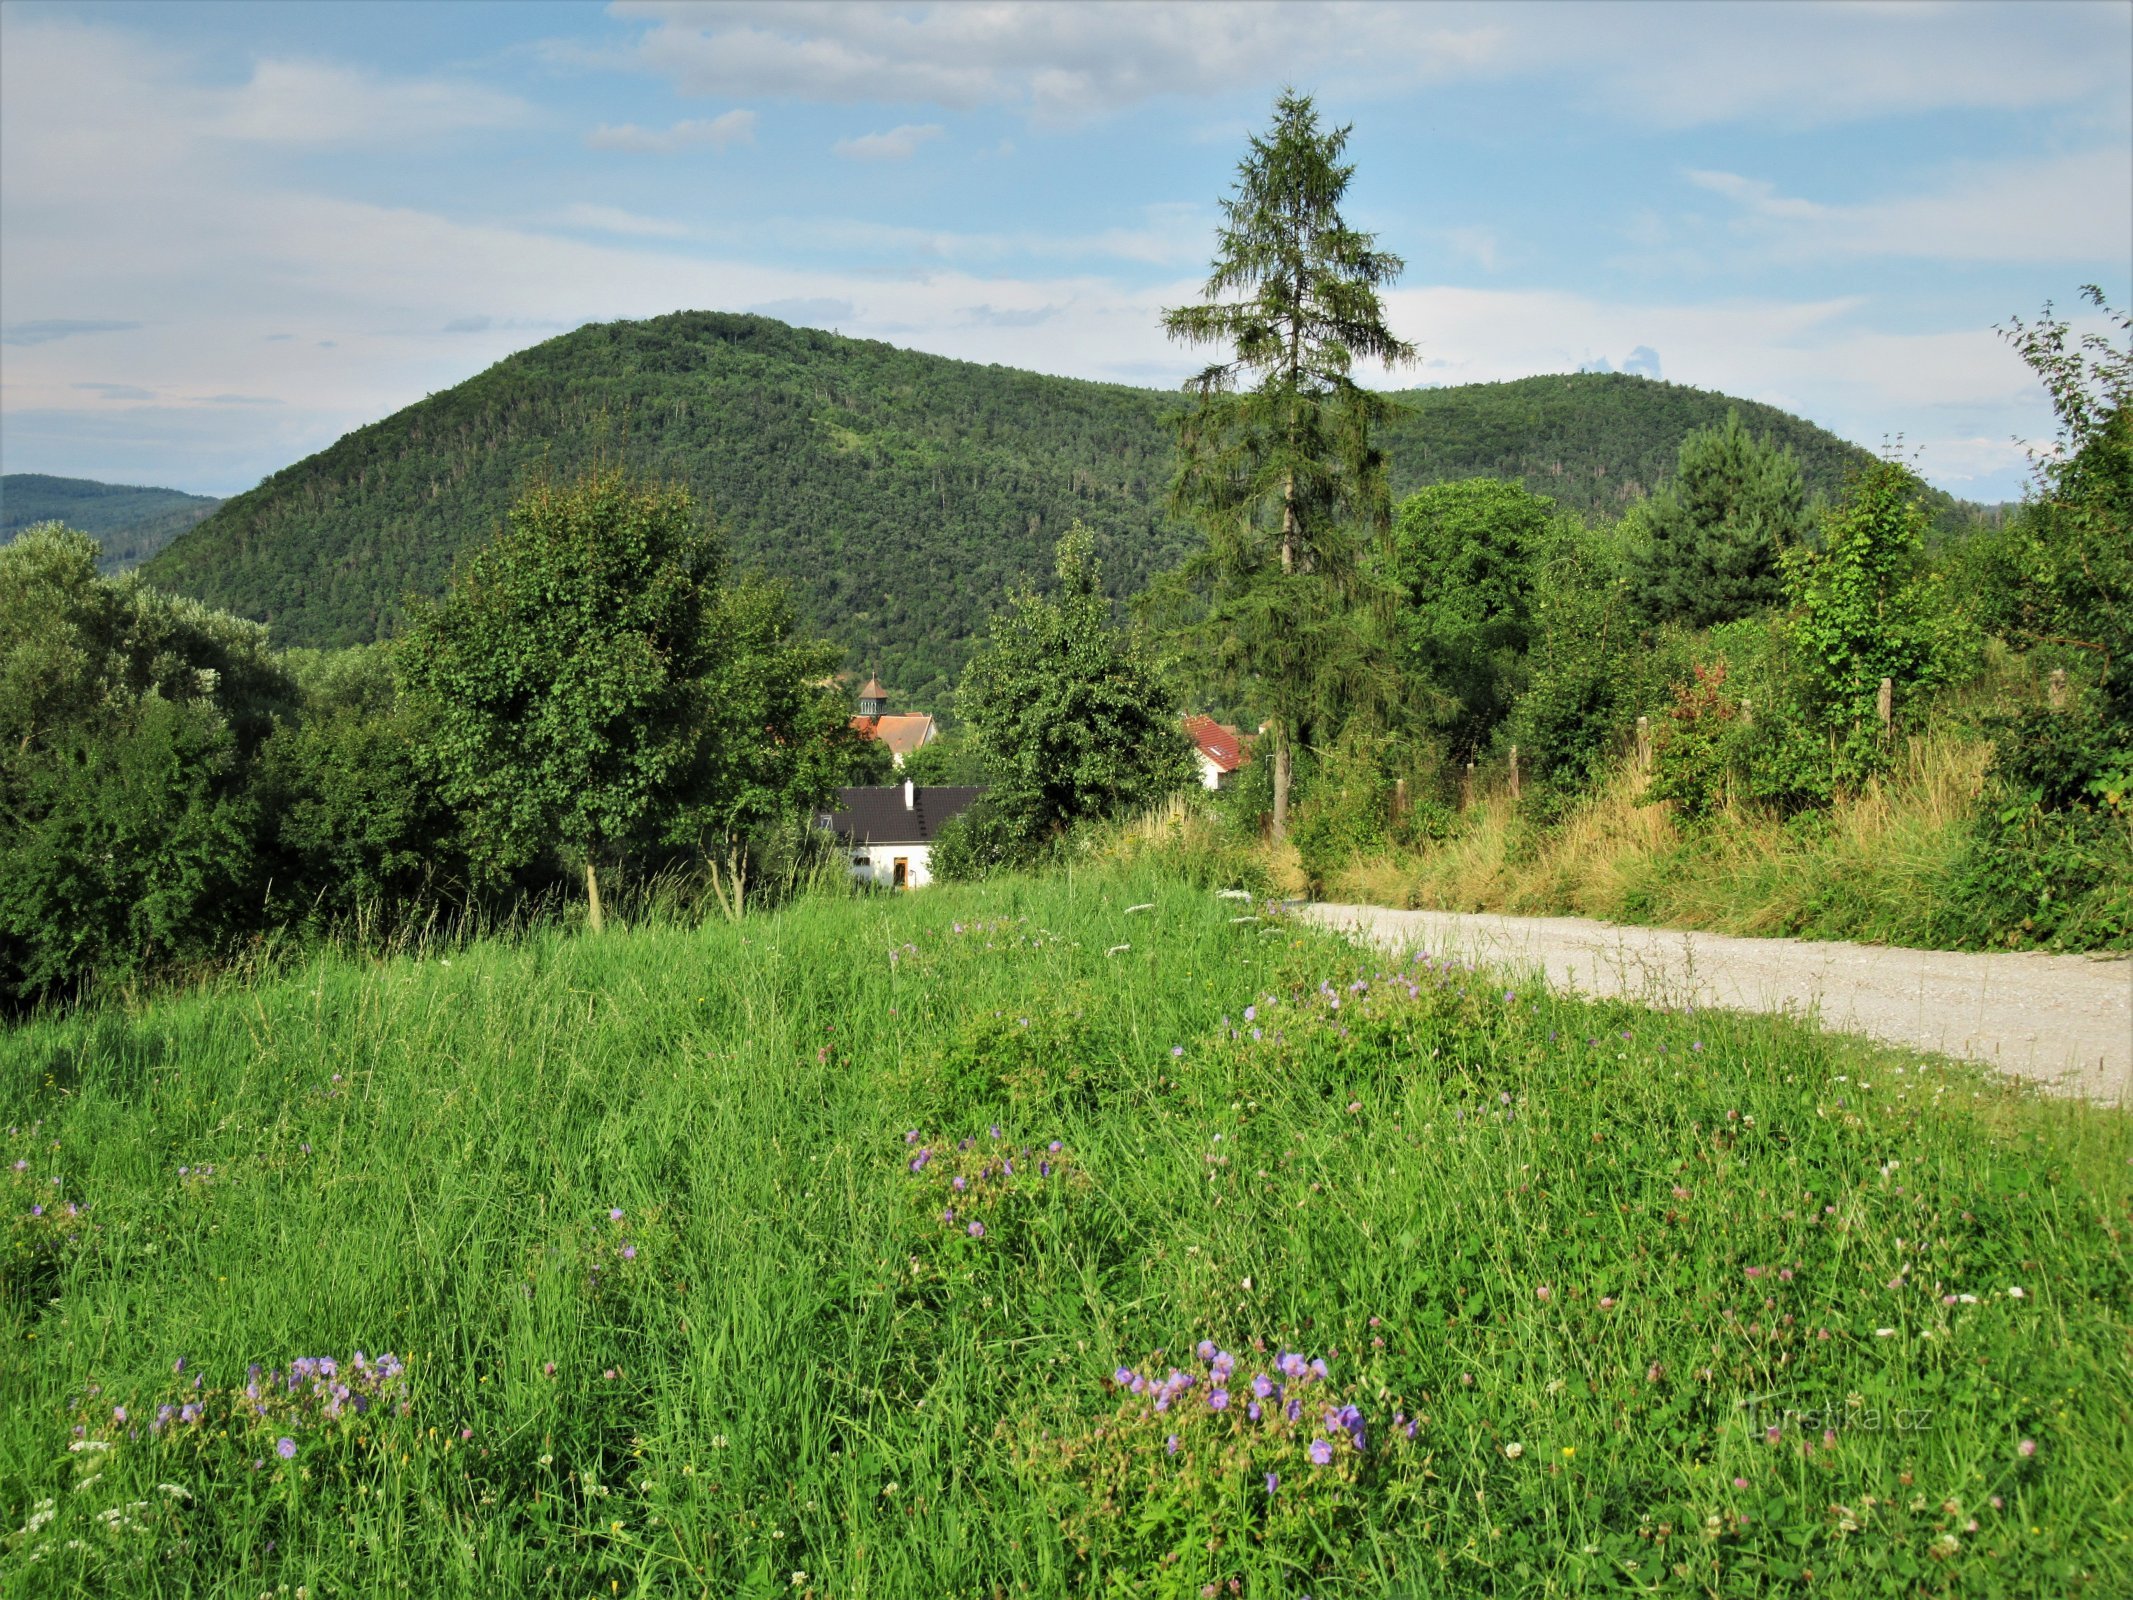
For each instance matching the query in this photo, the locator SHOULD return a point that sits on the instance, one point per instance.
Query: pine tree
(1716, 531)
(1275, 458)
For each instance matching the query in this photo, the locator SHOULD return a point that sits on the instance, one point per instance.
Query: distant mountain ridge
(901, 494)
(131, 523)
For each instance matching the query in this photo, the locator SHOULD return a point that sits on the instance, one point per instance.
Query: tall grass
(678, 1316)
(1870, 867)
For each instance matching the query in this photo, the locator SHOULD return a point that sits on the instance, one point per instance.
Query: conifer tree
(1275, 457)
(1717, 530)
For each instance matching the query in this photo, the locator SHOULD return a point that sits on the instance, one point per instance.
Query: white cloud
(319, 103)
(896, 144)
(2075, 208)
(613, 219)
(1668, 65)
(1063, 61)
(729, 127)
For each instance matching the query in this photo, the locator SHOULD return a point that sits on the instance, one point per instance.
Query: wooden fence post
(2056, 694)
(1644, 744)
(1466, 788)
(1885, 704)
(1514, 772)
(1399, 800)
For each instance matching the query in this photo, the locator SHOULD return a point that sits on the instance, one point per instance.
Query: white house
(902, 731)
(1221, 750)
(888, 833)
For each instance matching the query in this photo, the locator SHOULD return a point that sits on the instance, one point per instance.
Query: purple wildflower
(629, 1252)
(1218, 1399)
(1321, 1452)
(285, 1447)
(1252, 1410)
(977, 1230)
(1205, 1349)
(1170, 1445)
(614, 1214)
(1273, 1482)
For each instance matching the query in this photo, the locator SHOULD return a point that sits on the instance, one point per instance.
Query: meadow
(1087, 1235)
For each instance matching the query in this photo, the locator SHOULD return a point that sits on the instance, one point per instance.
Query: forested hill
(129, 522)
(900, 493)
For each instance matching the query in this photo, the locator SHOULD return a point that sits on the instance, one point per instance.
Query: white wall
(880, 863)
(1210, 774)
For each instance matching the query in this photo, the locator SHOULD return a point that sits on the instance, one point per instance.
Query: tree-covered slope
(902, 494)
(129, 523)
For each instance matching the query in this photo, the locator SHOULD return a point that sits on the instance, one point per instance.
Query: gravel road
(2063, 1020)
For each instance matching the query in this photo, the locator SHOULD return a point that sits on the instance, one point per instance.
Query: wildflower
(1251, 1014)
(977, 1230)
(1321, 1452)
(1607, 1302)
(996, 1130)
(1252, 1410)
(547, 1369)
(614, 1214)
(2016, 1294)
(1054, 1147)
(1177, 1050)
(1273, 1482)
(285, 1447)
(1542, 1294)
(2028, 1447)
(1170, 1445)
(1218, 1399)
(1740, 1483)
(960, 1184)
(911, 1136)
(629, 1252)
(1513, 1451)
(118, 1413)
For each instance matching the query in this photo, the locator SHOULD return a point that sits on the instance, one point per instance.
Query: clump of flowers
(44, 1224)
(1199, 1461)
(268, 1414)
(967, 1188)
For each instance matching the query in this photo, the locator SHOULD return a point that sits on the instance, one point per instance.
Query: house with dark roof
(1220, 748)
(888, 832)
(902, 731)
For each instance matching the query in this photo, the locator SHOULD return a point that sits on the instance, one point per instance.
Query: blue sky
(229, 233)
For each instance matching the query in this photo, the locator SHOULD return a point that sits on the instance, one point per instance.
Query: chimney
(910, 796)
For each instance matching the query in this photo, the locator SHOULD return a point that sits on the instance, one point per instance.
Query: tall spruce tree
(1716, 530)
(1275, 457)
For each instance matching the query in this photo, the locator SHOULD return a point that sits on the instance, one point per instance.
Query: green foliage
(1714, 534)
(128, 722)
(1592, 671)
(1275, 457)
(1579, 1245)
(129, 524)
(562, 680)
(1067, 717)
(901, 495)
(355, 820)
(1865, 608)
(1465, 556)
(945, 759)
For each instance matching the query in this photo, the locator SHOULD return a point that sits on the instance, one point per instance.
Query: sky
(229, 233)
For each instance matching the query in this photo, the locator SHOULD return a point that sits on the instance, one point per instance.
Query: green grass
(803, 1371)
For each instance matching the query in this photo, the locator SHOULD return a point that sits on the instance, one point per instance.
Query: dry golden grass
(1863, 870)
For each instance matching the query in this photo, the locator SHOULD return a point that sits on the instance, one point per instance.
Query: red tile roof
(1220, 743)
(902, 731)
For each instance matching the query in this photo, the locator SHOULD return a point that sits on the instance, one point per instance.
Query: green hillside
(131, 523)
(900, 493)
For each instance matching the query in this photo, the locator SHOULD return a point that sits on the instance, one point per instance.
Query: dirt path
(2066, 1020)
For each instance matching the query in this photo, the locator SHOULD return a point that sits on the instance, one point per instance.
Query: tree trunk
(1280, 830)
(592, 896)
(1288, 524)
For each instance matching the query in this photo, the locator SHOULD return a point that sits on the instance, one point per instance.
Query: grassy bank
(702, 1270)
(1876, 867)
